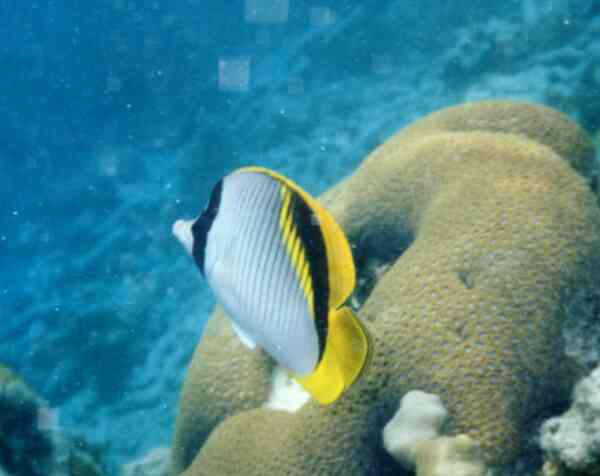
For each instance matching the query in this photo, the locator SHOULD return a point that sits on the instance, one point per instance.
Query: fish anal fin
(346, 355)
(326, 383)
(351, 342)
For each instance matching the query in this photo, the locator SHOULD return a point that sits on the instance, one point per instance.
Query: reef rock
(154, 463)
(25, 448)
(29, 444)
(573, 438)
(473, 230)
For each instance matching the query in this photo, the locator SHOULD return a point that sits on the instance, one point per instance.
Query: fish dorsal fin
(340, 264)
(347, 353)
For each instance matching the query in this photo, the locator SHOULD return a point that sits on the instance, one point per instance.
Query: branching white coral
(420, 417)
(413, 438)
(574, 437)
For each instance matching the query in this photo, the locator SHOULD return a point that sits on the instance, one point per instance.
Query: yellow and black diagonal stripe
(306, 248)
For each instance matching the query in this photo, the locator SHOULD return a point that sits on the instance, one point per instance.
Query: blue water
(119, 116)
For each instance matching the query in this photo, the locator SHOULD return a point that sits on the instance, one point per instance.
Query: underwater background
(119, 116)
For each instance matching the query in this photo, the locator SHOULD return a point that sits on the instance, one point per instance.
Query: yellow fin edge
(340, 263)
(346, 356)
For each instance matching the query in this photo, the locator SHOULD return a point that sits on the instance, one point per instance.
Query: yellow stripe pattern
(340, 263)
(347, 348)
(294, 246)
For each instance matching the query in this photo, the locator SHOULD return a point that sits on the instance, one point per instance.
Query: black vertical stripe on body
(202, 225)
(311, 237)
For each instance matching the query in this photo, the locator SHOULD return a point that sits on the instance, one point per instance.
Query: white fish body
(281, 268)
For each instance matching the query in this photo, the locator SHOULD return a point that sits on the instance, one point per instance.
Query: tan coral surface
(224, 378)
(485, 231)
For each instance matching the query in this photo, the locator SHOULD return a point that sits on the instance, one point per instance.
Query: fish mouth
(182, 229)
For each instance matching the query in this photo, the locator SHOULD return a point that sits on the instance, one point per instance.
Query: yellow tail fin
(347, 351)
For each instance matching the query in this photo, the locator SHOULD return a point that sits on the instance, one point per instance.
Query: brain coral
(212, 391)
(472, 232)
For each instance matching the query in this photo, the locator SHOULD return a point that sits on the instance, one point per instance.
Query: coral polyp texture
(224, 378)
(473, 230)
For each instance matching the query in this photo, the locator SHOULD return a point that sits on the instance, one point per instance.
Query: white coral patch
(450, 455)
(286, 394)
(420, 417)
(574, 437)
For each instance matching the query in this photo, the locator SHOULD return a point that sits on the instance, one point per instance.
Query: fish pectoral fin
(347, 353)
(243, 336)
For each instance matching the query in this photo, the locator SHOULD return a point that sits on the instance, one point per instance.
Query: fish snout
(182, 229)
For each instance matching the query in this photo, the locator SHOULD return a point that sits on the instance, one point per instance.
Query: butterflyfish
(282, 269)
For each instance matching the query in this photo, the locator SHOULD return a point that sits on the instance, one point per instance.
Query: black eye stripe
(202, 225)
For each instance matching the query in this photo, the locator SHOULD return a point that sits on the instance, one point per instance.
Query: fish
(282, 269)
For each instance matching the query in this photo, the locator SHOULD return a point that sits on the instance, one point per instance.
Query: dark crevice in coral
(581, 326)
(466, 278)
(373, 259)
(460, 330)
(25, 450)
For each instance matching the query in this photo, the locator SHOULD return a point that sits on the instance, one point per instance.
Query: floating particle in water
(234, 74)
(158, 142)
(48, 418)
(381, 64)
(322, 16)
(109, 165)
(27, 232)
(266, 11)
(263, 37)
(295, 86)
(113, 85)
